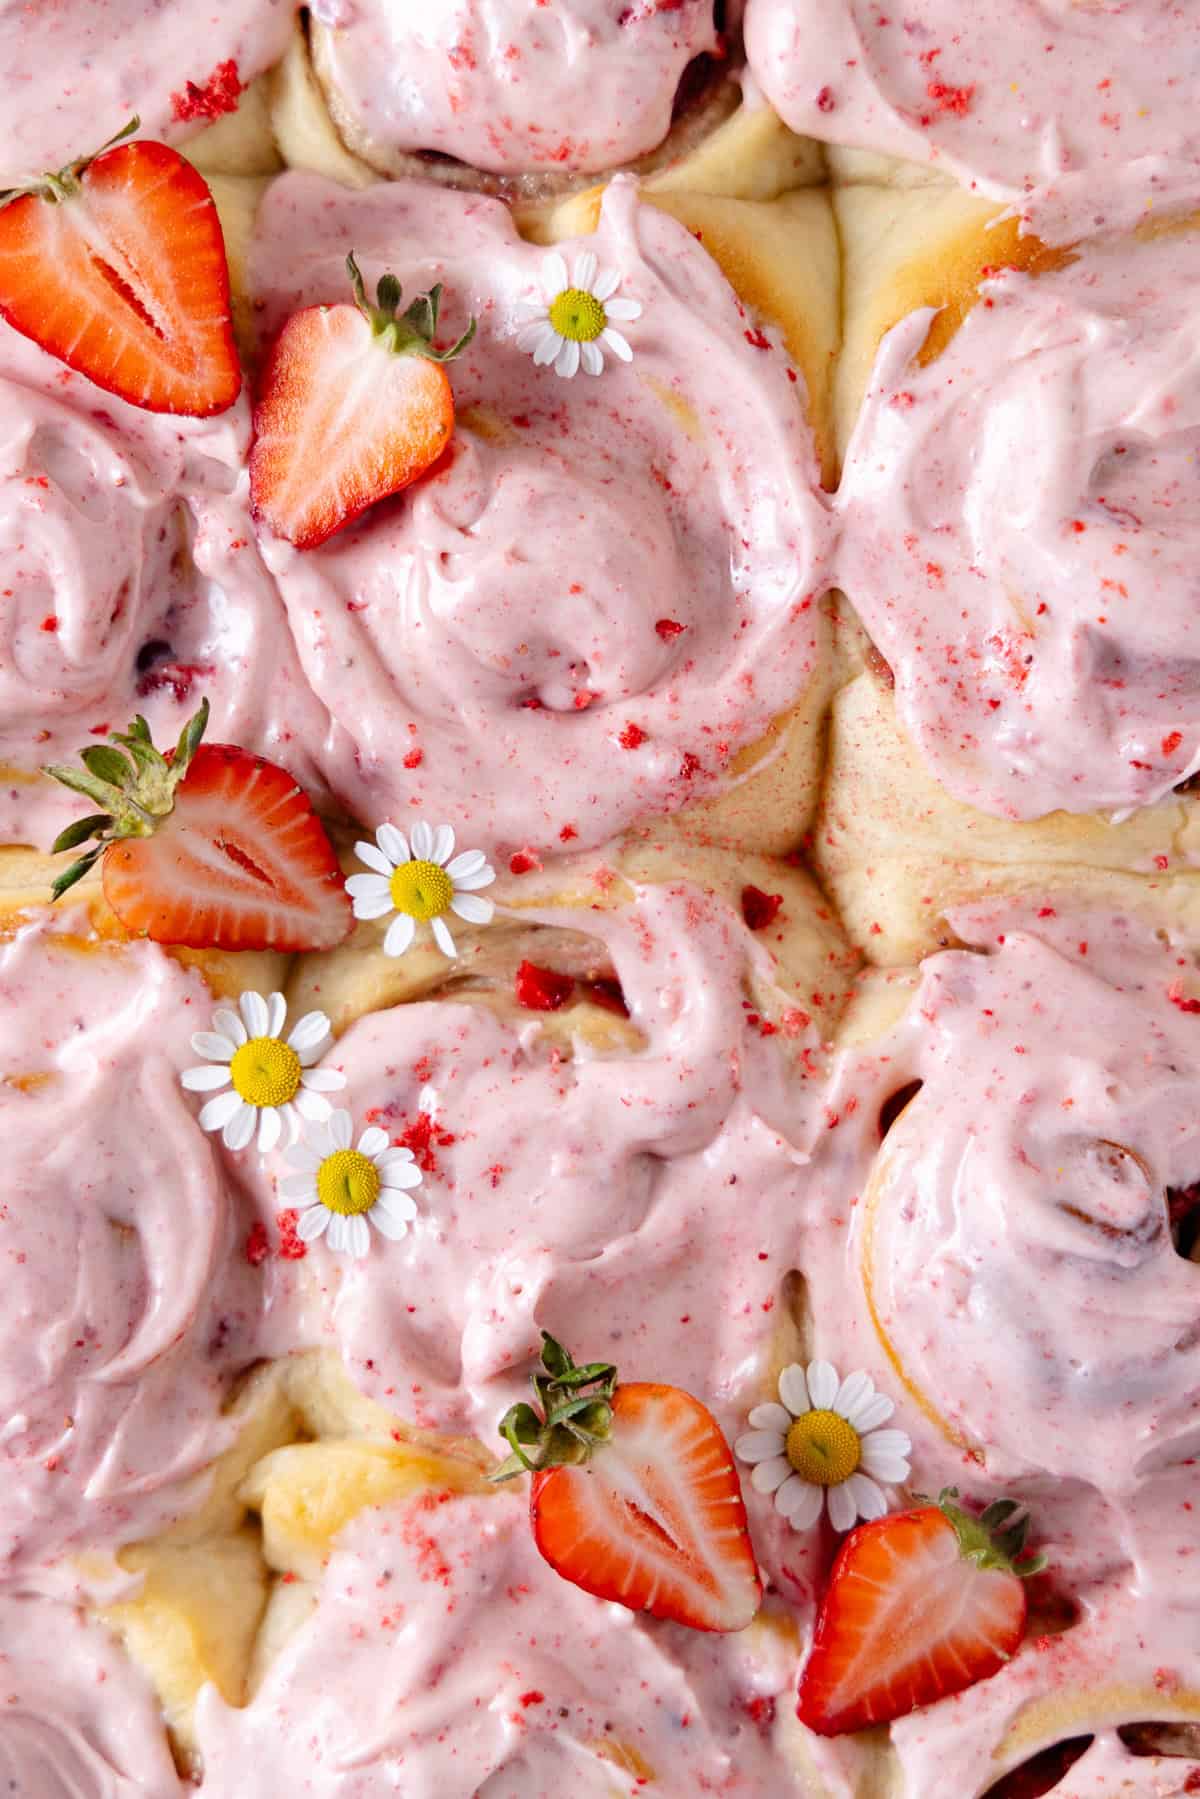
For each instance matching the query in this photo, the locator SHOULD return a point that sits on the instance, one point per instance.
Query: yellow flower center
(823, 1448)
(578, 315)
(347, 1182)
(421, 889)
(266, 1072)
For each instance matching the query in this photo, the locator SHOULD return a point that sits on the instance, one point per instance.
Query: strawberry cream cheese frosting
(1020, 533)
(132, 584)
(609, 585)
(1081, 115)
(510, 87)
(124, 1317)
(73, 71)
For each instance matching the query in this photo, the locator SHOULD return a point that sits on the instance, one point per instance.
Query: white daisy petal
(341, 1130)
(467, 862)
(793, 1390)
(531, 335)
(239, 1131)
(868, 1498)
(396, 1180)
(369, 886)
(443, 845)
(889, 1442)
(842, 1509)
(607, 282)
(276, 1014)
(472, 908)
(206, 1078)
(554, 275)
(591, 359)
(393, 1159)
(586, 269)
(270, 1129)
(387, 1225)
(892, 1469)
(310, 1224)
(372, 1141)
(566, 363)
(549, 347)
(823, 1385)
(217, 1113)
(291, 1124)
(214, 1046)
(872, 1413)
(395, 1205)
(322, 1080)
(309, 1031)
(358, 1237)
(254, 1012)
(230, 1025)
(311, 1105)
(625, 310)
(421, 838)
(442, 937)
(801, 1503)
(400, 934)
(373, 856)
(771, 1417)
(393, 843)
(853, 1393)
(525, 310)
(305, 1156)
(770, 1475)
(471, 883)
(336, 1234)
(758, 1445)
(299, 1188)
(376, 906)
(613, 340)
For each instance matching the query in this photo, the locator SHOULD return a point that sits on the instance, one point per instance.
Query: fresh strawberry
(355, 404)
(635, 1497)
(116, 265)
(208, 847)
(920, 1604)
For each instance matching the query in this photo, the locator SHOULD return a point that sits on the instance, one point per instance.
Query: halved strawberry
(116, 265)
(920, 1604)
(208, 847)
(355, 404)
(635, 1496)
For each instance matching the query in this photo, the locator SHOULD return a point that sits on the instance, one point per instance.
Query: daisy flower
(420, 882)
(823, 1443)
(270, 1081)
(573, 326)
(341, 1188)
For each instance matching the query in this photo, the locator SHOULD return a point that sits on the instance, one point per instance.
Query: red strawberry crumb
(1047, 912)
(50, 622)
(758, 340)
(258, 1247)
(760, 909)
(414, 758)
(533, 1697)
(668, 629)
(825, 100)
(566, 834)
(522, 862)
(690, 766)
(1171, 743)
(542, 989)
(951, 99)
(219, 94)
(291, 1247)
(1179, 998)
(424, 1138)
(632, 737)
(1161, 862)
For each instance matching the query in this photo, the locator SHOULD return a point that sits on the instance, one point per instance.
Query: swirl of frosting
(1017, 1250)
(430, 1604)
(73, 72)
(117, 1335)
(506, 87)
(1022, 533)
(131, 585)
(521, 608)
(1082, 114)
(76, 1720)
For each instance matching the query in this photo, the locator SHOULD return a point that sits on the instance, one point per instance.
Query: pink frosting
(1021, 533)
(1084, 115)
(131, 584)
(508, 86)
(76, 1720)
(124, 1316)
(485, 641)
(445, 1658)
(73, 71)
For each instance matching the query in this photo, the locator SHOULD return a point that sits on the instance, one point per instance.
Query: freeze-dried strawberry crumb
(1171, 743)
(760, 909)
(542, 989)
(414, 758)
(1179, 998)
(218, 95)
(951, 99)
(291, 1247)
(632, 737)
(522, 862)
(758, 340)
(424, 1138)
(668, 629)
(258, 1247)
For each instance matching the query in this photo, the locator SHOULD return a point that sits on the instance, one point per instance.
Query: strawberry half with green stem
(920, 1605)
(355, 404)
(635, 1496)
(116, 265)
(208, 847)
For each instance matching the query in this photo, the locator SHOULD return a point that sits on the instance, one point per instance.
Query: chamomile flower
(340, 1188)
(574, 325)
(270, 1079)
(823, 1444)
(420, 879)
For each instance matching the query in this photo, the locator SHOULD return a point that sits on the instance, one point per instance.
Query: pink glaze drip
(501, 616)
(1082, 115)
(73, 71)
(1021, 533)
(509, 86)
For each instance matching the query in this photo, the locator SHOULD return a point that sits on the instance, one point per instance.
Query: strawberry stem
(992, 1540)
(573, 1416)
(63, 184)
(412, 332)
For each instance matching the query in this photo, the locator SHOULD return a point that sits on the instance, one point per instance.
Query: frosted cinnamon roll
(610, 586)
(132, 584)
(1080, 115)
